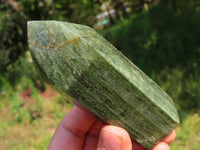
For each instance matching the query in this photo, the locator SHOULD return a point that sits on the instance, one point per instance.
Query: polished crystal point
(81, 64)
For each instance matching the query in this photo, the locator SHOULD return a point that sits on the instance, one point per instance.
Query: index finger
(170, 138)
(162, 145)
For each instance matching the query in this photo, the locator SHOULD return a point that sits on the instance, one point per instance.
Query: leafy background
(159, 36)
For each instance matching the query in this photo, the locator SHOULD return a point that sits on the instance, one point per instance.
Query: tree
(12, 27)
(15, 14)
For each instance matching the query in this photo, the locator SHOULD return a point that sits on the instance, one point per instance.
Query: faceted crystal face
(81, 64)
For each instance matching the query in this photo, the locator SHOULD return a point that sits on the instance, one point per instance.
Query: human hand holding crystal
(80, 130)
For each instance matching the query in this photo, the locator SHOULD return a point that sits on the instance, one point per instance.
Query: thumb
(114, 138)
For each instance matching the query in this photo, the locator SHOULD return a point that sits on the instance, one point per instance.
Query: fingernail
(110, 141)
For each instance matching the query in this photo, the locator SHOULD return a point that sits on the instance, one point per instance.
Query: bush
(160, 38)
(164, 44)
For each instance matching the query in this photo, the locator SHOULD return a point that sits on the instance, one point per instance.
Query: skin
(80, 130)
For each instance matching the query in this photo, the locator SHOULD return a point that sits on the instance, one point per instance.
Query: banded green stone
(81, 64)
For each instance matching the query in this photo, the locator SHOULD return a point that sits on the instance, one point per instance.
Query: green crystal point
(80, 63)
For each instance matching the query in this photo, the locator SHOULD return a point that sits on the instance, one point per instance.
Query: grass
(166, 47)
(29, 116)
(19, 130)
(188, 134)
(36, 135)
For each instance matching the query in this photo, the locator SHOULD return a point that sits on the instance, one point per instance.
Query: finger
(71, 132)
(170, 138)
(114, 138)
(91, 139)
(136, 146)
(162, 146)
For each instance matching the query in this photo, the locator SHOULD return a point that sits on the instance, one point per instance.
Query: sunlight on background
(160, 36)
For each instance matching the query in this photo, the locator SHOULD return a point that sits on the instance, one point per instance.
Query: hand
(79, 130)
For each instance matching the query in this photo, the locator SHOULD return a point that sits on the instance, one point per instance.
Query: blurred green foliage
(159, 36)
(164, 43)
(15, 14)
(12, 29)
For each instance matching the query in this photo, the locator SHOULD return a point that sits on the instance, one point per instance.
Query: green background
(160, 36)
